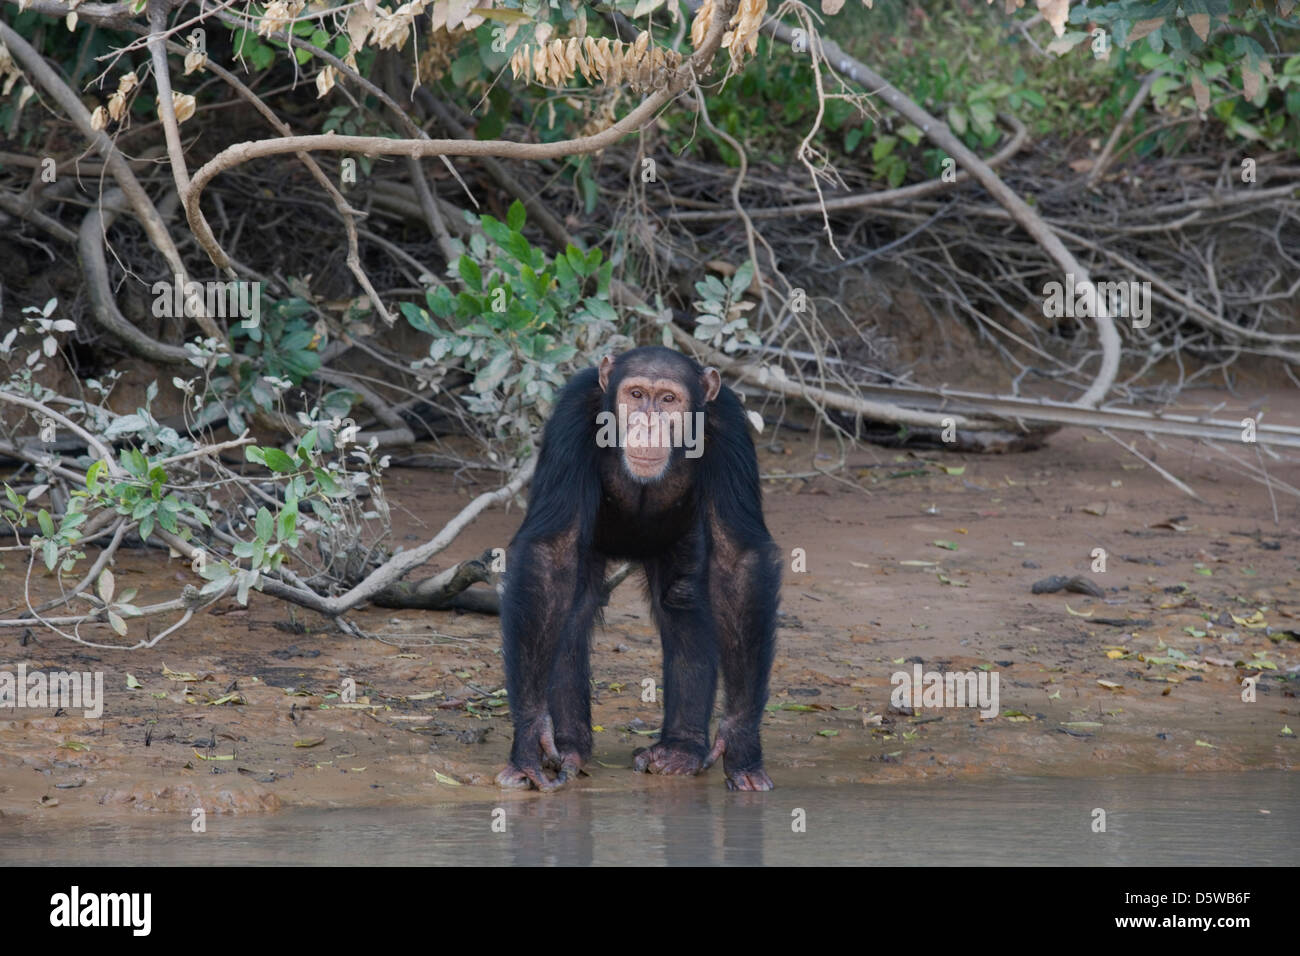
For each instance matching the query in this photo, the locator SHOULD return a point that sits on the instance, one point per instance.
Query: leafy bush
(517, 324)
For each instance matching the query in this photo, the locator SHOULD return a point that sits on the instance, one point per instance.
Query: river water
(1186, 819)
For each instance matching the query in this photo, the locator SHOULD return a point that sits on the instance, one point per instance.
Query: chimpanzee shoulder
(728, 473)
(566, 484)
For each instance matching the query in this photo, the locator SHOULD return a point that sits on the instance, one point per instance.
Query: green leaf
(982, 114)
(417, 317)
(168, 520)
(494, 372)
(260, 55)
(465, 68)
(105, 586)
(264, 524)
(46, 522)
(287, 522)
(883, 147)
(742, 279)
(135, 462)
(516, 216)
(897, 172)
(517, 246)
(328, 485)
(470, 273)
(277, 460)
(600, 309)
(577, 262)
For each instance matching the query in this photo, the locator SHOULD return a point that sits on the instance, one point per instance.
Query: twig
(1132, 450)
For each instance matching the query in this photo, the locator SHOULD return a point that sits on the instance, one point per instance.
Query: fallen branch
(240, 153)
(873, 198)
(939, 134)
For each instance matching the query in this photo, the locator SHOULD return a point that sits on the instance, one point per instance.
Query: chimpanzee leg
(547, 611)
(678, 598)
(744, 587)
(570, 690)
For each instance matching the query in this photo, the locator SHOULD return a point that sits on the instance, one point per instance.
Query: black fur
(712, 573)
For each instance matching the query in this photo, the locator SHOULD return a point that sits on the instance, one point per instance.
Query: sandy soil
(426, 728)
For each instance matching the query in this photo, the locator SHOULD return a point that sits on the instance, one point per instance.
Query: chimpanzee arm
(552, 589)
(551, 600)
(744, 591)
(744, 588)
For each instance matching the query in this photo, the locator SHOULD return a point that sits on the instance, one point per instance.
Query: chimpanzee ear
(606, 365)
(712, 383)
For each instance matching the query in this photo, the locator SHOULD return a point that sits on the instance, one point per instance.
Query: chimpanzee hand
(534, 749)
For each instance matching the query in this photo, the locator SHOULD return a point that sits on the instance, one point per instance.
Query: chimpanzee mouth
(646, 459)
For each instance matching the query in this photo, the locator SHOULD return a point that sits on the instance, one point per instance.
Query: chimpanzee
(686, 503)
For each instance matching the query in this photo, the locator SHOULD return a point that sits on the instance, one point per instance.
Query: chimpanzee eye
(635, 393)
(669, 398)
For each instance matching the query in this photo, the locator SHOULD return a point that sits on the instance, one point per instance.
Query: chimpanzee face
(653, 431)
(653, 401)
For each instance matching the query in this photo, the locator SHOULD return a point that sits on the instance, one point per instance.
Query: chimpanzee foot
(751, 779)
(667, 759)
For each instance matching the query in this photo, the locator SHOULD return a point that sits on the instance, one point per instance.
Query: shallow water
(1186, 819)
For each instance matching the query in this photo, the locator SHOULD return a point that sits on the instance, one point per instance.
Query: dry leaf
(1201, 92)
(1055, 12)
(1144, 28)
(700, 25)
(324, 81)
(183, 105)
(1250, 81)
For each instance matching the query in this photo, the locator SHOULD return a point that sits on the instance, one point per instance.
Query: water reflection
(1205, 819)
